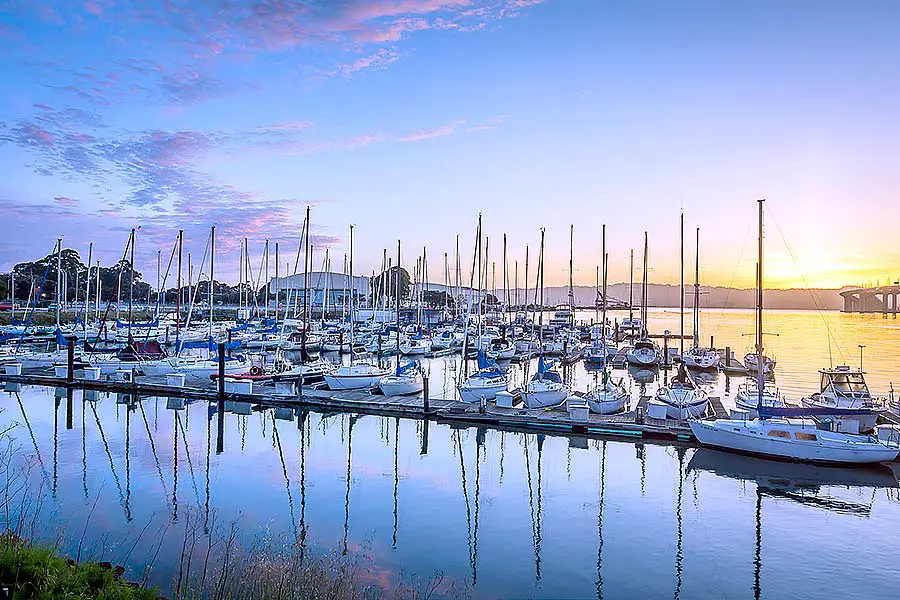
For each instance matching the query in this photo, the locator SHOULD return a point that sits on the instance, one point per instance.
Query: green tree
(386, 283)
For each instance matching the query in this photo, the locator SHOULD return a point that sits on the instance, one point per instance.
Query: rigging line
(737, 264)
(819, 308)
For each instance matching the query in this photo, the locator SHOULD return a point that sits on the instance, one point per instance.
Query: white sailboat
(684, 399)
(698, 357)
(407, 378)
(354, 376)
(607, 396)
(488, 380)
(644, 352)
(786, 438)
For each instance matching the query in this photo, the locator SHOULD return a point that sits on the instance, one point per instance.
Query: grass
(38, 573)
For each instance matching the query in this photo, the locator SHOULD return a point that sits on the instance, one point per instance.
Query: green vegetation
(33, 572)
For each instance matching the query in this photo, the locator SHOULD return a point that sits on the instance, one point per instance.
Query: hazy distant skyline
(409, 117)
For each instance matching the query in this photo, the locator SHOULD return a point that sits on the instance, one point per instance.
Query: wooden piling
(221, 379)
(727, 356)
(70, 360)
(425, 406)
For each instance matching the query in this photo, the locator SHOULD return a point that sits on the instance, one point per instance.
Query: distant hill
(666, 296)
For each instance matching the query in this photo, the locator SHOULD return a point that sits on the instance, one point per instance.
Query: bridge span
(883, 299)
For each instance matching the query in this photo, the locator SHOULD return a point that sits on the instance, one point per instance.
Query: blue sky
(409, 117)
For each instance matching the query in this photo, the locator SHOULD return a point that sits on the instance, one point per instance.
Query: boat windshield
(845, 383)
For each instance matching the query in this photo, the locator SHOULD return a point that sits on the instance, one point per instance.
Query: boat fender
(255, 371)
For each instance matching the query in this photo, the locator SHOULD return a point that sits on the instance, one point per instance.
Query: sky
(409, 118)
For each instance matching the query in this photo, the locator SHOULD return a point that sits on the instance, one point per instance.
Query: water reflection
(482, 540)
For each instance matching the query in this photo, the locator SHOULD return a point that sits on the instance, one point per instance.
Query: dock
(632, 424)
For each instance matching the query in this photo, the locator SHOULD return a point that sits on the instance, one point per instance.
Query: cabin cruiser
(747, 397)
(631, 327)
(843, 389)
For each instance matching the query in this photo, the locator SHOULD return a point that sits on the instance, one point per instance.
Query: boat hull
(394, 385)
(753, 437)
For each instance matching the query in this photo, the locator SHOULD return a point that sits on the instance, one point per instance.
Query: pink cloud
(376, 61)
(427, 134)
(287, 126)
(66, 201)
(96, 7)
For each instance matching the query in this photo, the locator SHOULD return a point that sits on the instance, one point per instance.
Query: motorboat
(683, 398)
(644, 353)
(747, 397)
(631, 327)
(406, 379)
(844, 390)
(545, 389)
(702, 359)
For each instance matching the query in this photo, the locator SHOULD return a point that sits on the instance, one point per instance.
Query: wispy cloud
(379, 60)
(427, 134)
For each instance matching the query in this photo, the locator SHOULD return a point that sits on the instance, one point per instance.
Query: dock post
(712, 342)
(220, 426)
(69, 408)
(70, 359)
(666, 350)
(221, 380)
(425, 406)
(229, 343)
(727, 356)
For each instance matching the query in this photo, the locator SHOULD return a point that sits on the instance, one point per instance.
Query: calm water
(499, 514)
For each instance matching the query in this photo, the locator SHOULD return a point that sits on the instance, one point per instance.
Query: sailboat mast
(397, 303)
(87, 292)
(212, 278)
(351, 292)
(603, 318)
(631, 288)
(681, 313)
(178, 291)
(644, 311)
(131, 283)
(58, 278)
(277, 282)
(571, 288)
(697, 292)
(760, 368)
(541, 300)
(268, 285)
(307, 264)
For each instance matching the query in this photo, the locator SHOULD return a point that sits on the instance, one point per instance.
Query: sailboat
(747, 396)
(697, 357)
(645, 352)
(546, 387)
(488, 380)
(607, 396)
(684, 399)
(773, 434)
(355, 375)
(407, 378)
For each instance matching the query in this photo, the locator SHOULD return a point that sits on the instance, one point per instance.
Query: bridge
(879, 299)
